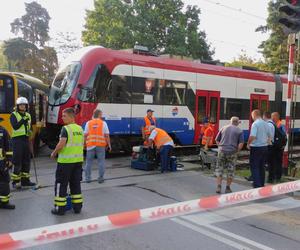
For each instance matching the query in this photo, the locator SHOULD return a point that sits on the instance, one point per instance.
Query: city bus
(14, 85)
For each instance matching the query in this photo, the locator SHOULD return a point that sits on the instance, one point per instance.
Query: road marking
(211, 235)
(238, 212)
(206, 219)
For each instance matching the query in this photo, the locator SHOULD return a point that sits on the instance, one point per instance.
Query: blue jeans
(165, 157)
(90, 155)
(258, 159)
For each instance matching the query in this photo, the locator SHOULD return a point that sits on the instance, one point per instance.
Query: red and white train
(182, 93)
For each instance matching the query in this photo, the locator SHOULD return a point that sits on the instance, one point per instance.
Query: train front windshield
(64, 84)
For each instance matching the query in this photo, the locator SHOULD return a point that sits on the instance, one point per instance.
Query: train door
(260, 102)
(207, 106)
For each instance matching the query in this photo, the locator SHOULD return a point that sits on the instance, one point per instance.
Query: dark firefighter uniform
(21, 124)
(4, 172)
(69, 170)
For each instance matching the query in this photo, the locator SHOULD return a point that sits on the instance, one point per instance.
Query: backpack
(280, 139)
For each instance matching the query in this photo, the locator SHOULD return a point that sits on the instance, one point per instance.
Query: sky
(229, 24)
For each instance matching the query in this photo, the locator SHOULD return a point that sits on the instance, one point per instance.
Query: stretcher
(208, 158)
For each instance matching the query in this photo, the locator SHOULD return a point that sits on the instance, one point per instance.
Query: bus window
(25, 90)
(7, 95)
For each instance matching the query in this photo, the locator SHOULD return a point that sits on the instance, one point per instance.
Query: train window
(64, 84)
(201, 108)
(264, 105)
(146, 90)
(121, 86)
(175, 92)
(213, 109)
(255, 104)
(235, 107)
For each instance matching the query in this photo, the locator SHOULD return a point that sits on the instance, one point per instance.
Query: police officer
(4, 173)
(69, 164)
(20, 121)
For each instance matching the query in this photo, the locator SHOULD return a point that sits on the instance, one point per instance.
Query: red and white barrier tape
(48, 234)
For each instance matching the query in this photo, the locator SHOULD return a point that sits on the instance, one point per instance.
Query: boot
(27, 183)
(7, 205)
(16, 185)
(228, 190)
(58, 211)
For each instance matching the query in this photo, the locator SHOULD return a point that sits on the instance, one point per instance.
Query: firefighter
(164, 145)
(20, 121)
(4, 172)
(149, 120)
(69, 164)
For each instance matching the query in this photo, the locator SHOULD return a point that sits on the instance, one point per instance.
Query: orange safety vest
(95, 137)
(208, 134)
(148, 124)
(161, 138)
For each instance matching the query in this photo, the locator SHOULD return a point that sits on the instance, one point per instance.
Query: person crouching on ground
(230, 141)
(69, 164)
(164, 145)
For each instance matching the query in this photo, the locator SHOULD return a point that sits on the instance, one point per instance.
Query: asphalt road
(265, 224)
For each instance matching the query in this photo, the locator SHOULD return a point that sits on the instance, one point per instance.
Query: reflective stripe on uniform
(15, 177)
(161, 137)
(77, 198)
(4, 198)
(60, 201)
(25, 175)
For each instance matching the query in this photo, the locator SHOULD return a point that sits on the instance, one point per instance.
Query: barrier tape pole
(49, 234)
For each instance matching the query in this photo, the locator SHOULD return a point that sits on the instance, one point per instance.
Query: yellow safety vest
(22, 130)
(73, 151)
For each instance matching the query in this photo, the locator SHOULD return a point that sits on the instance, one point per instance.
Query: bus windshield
(7, 94)
(64, 84)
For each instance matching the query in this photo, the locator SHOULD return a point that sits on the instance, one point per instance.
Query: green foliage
(3, 59)
(162, 26)
(275, 49)
(26, 57)
(34, 25)
(28, 53)
(244, 60)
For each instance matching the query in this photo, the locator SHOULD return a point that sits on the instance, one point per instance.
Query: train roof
(30, 80)
(93, 53)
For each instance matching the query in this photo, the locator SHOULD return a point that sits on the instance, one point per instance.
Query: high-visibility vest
(148, 124)
(161, 138)
(21, 131)
(208, 130)
(95, 135)
(73, 150)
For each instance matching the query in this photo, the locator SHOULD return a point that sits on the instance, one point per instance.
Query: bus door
(260, 102)
(207, 106)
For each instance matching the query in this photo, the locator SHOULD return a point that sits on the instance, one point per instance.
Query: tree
(29, 53)
(66, 43)
(3, 59)
(162, 26)
(244, 60)
(274, 49)
(34, 25)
